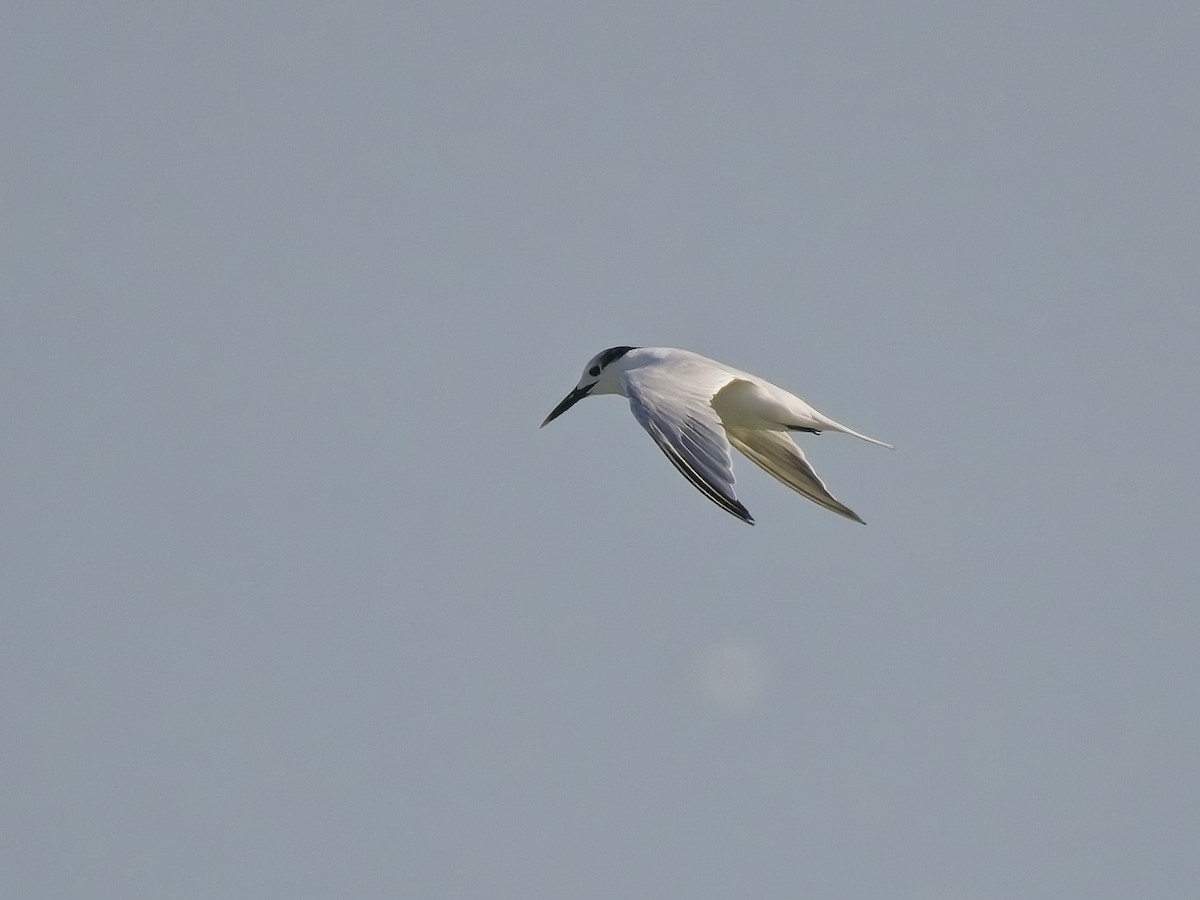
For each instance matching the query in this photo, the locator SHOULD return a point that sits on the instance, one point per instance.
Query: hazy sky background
(298, 602)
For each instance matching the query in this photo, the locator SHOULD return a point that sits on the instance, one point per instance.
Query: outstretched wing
(778, 455)
(678, 413)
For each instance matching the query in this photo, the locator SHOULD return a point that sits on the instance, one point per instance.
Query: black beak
(568, 401)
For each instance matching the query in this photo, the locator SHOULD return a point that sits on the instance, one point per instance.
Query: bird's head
(599, 377)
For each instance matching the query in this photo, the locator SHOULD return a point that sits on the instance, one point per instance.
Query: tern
(696, 408)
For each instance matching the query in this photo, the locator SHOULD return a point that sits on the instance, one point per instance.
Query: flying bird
(696, 408)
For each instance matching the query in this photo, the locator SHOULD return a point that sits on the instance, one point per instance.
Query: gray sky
(298, 602)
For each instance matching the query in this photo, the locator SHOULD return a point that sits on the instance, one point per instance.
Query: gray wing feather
(689, 433)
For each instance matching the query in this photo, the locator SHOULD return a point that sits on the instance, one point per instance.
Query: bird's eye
(594, 371)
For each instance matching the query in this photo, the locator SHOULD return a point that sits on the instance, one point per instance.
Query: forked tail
(830, 425)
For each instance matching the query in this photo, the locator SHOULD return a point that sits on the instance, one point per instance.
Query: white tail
(831, 425)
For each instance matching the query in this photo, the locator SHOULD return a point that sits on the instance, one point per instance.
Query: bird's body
(696, 408)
